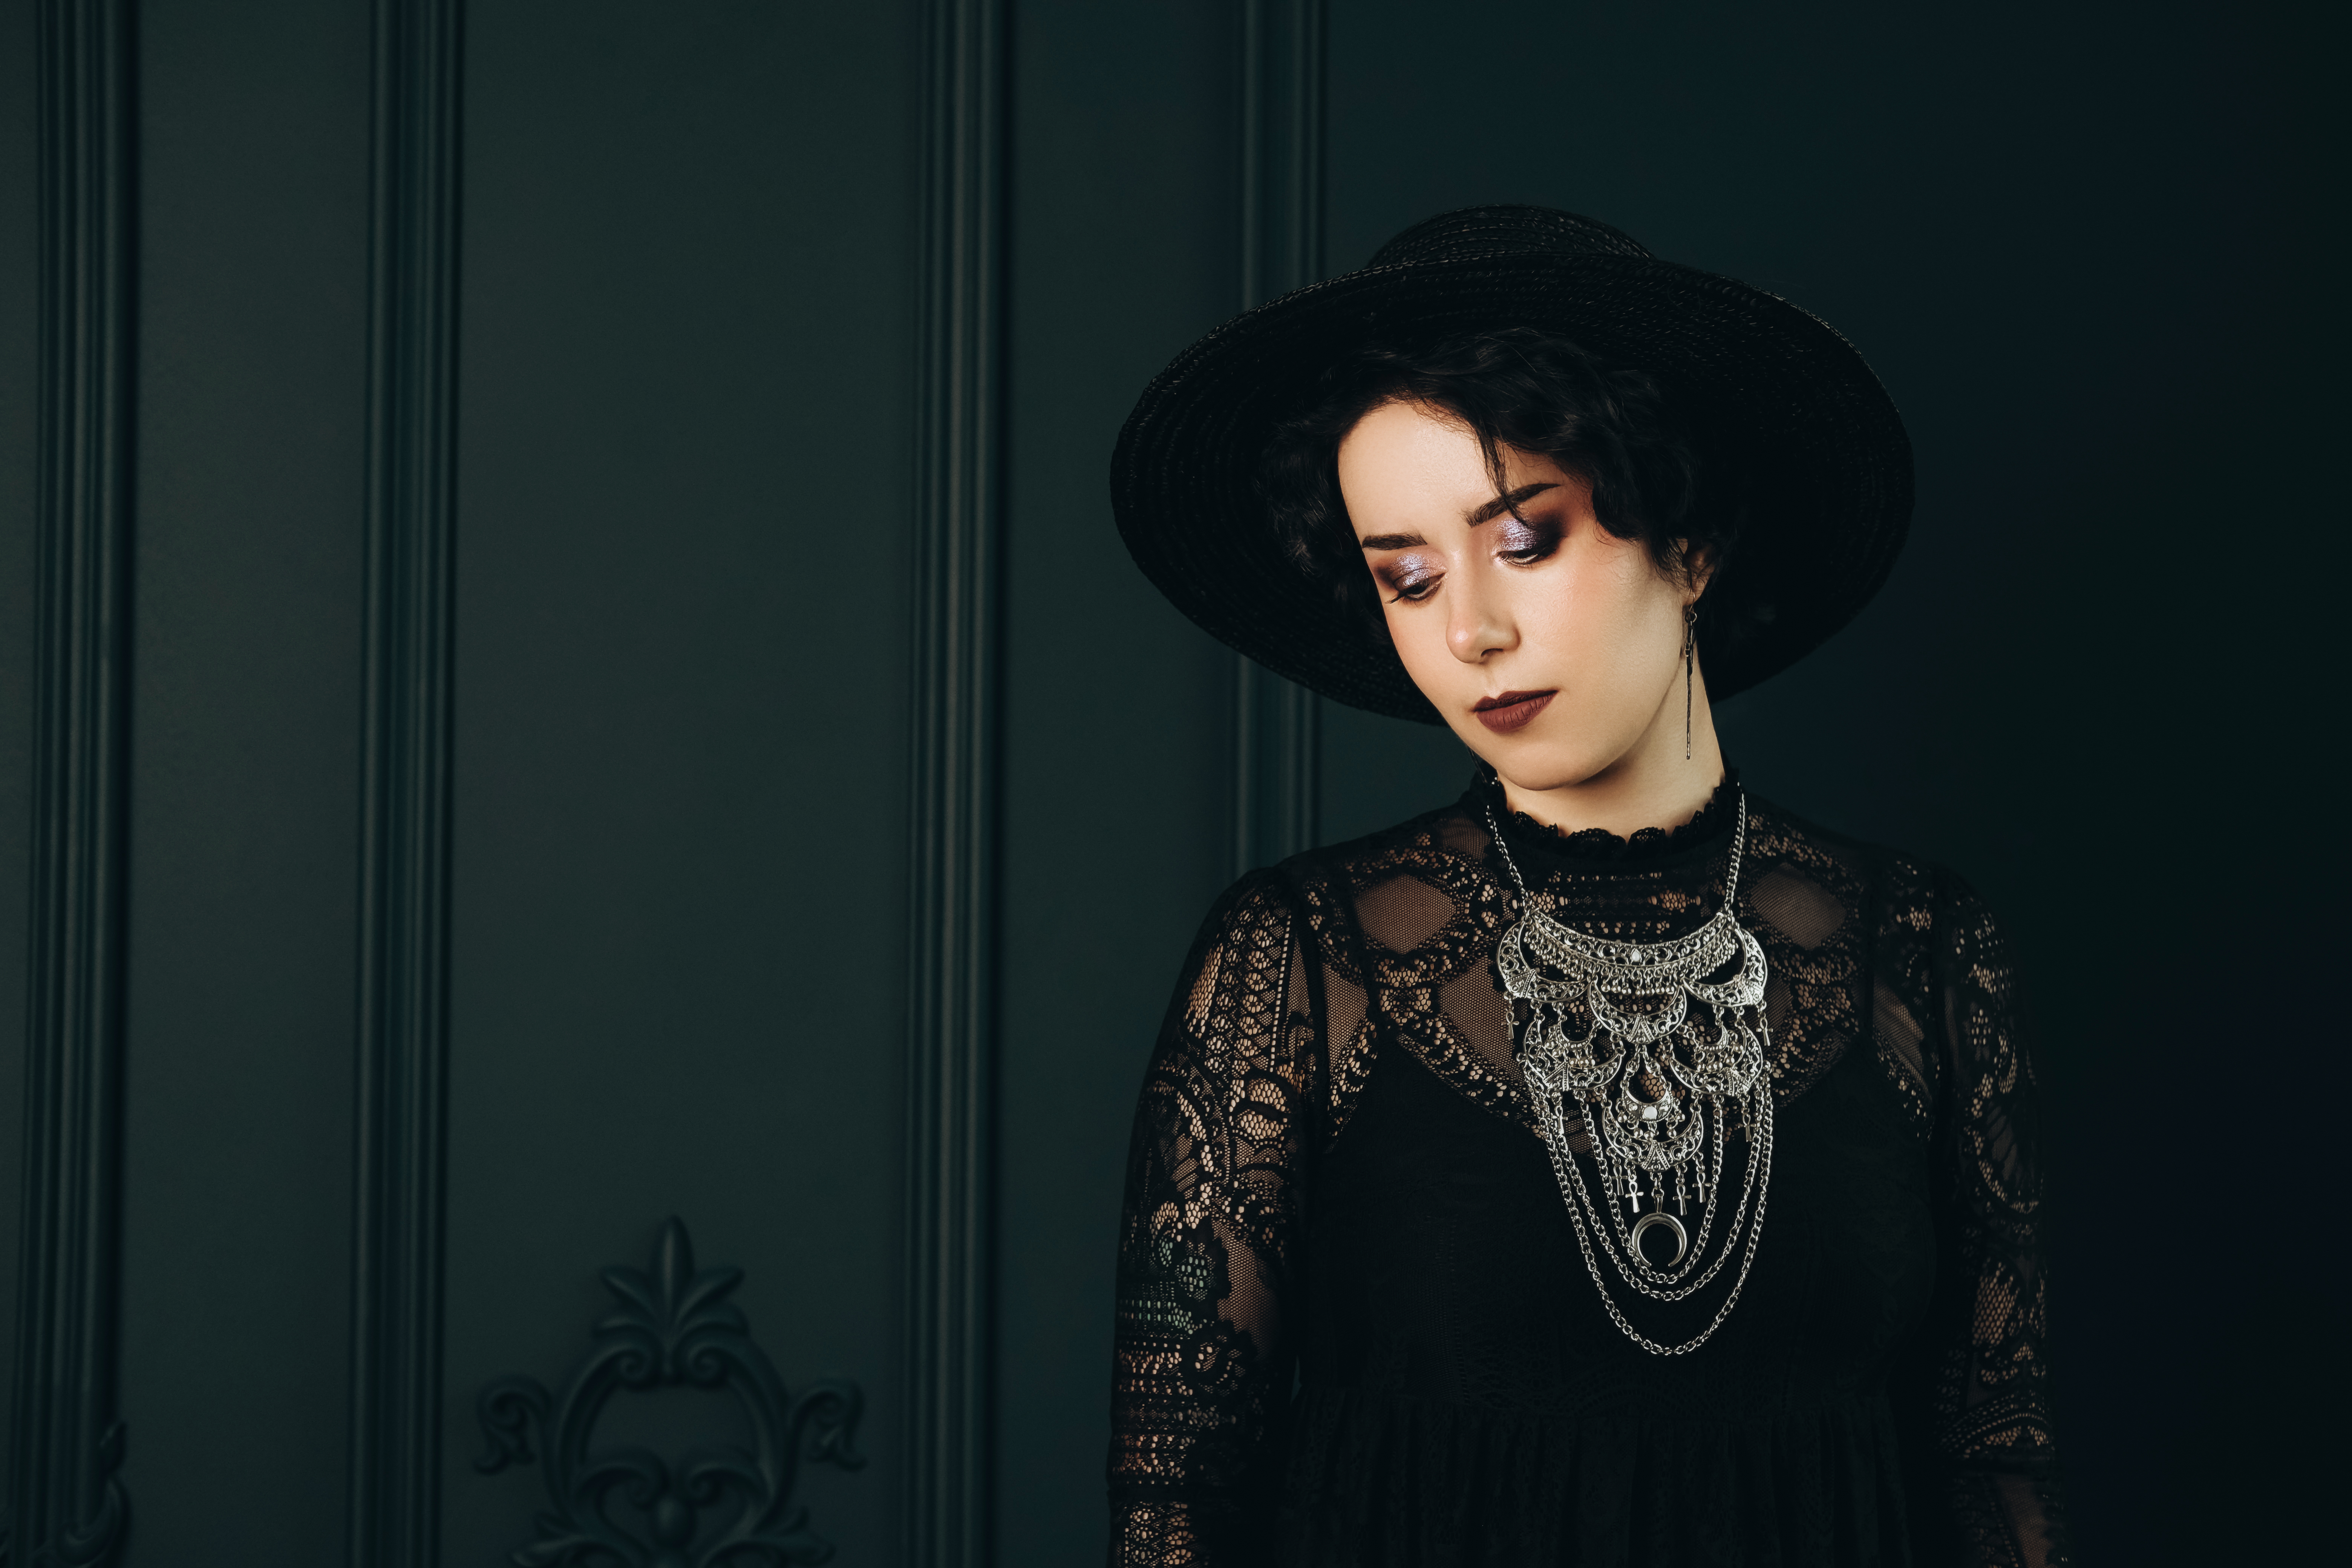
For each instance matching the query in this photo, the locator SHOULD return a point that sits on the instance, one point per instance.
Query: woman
(1607, 1167)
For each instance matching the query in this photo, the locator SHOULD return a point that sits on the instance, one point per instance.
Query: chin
(1536, 763)
(1549, 774)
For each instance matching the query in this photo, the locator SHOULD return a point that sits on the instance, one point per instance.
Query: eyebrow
(1486, 512)
(1503, 503)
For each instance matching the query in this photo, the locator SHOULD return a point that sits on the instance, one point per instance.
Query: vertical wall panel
(65, 1494)
(679, 962)
(951, 941)
(237, 1190)
(19, 436)
(1117, 759)
(401, 1044)
(1280, 51)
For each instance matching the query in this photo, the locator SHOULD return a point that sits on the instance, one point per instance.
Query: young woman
(1608, 1167)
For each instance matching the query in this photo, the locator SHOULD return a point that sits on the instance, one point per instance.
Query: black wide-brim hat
(1775, 399)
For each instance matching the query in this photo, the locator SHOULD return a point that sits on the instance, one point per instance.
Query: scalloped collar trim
(1598, 846)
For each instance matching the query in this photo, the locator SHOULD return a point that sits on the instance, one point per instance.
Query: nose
(1476, 626)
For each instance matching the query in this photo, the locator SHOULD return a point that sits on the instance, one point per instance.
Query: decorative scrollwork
(675, 1328)
(92, 1541)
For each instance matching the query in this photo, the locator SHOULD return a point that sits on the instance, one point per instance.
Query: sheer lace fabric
(1353, 1326)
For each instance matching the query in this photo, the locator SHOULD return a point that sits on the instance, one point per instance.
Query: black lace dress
(1354, 1324)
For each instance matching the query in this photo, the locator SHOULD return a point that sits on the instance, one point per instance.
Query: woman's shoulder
(1418, 891)
(1445, 831)
(1315, 896)
(1255, 911)
(1914, 896)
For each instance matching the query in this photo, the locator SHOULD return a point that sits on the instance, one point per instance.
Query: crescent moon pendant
(1682, 1238)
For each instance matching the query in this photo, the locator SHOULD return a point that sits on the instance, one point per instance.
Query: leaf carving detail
(722, 1509)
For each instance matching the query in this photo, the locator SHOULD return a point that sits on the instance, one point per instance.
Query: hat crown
(1503, 231)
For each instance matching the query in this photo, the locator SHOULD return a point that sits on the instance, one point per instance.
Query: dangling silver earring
(1690, 638)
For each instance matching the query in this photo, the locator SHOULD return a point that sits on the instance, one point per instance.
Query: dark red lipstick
(1513, 709)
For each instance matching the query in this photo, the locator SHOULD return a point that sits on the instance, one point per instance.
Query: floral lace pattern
(1205, 1253)
(1992, 1386)
(1306, 976)
(1405, 990)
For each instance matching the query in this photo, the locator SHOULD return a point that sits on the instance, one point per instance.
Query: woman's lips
(1512, 710)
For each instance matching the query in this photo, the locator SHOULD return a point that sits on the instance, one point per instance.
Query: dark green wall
(1116, 761)
(244, 771)
(2081, 244)
(687, 289)
(680, 797)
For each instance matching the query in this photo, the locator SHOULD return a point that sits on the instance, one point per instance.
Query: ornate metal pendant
(1653, 1047)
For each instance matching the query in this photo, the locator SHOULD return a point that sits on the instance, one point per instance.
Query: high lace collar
(1594, 846)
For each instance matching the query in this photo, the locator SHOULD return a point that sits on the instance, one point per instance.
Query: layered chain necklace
(1654, 1057)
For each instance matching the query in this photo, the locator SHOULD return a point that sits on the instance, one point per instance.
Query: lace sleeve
(1201, 1369)
(1991, 1405)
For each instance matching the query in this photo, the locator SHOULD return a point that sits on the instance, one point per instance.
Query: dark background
(2083, 245)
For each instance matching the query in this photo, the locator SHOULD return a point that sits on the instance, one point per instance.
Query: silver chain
(1653, 1135)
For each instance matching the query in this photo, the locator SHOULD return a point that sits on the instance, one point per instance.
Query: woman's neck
(1652, 785)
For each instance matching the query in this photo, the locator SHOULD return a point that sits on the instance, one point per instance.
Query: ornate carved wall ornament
(675, 1328)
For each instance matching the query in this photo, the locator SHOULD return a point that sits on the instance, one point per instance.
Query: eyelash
(1542, 540)
(1541, 545)
(1414, 592)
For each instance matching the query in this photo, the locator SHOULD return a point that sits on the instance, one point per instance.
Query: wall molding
(66, 1503)
(959, 439)
(1278, 729)
(404, 959)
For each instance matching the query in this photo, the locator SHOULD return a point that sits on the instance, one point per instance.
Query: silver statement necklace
(1634, 1040)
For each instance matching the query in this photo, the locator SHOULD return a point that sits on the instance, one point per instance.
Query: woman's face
(1553, 647)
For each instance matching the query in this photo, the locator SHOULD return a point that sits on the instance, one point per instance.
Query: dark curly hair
(1612, 428)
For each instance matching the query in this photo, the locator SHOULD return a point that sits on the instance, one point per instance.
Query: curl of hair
(1515, 387)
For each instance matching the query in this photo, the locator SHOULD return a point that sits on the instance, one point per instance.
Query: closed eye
(1523, 541)
(1410, 578)
(1411, 587)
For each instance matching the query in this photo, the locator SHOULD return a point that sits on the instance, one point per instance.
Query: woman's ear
(1698, 568)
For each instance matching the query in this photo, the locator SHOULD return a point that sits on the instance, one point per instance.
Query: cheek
(1600, 606)
(1420, 639)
